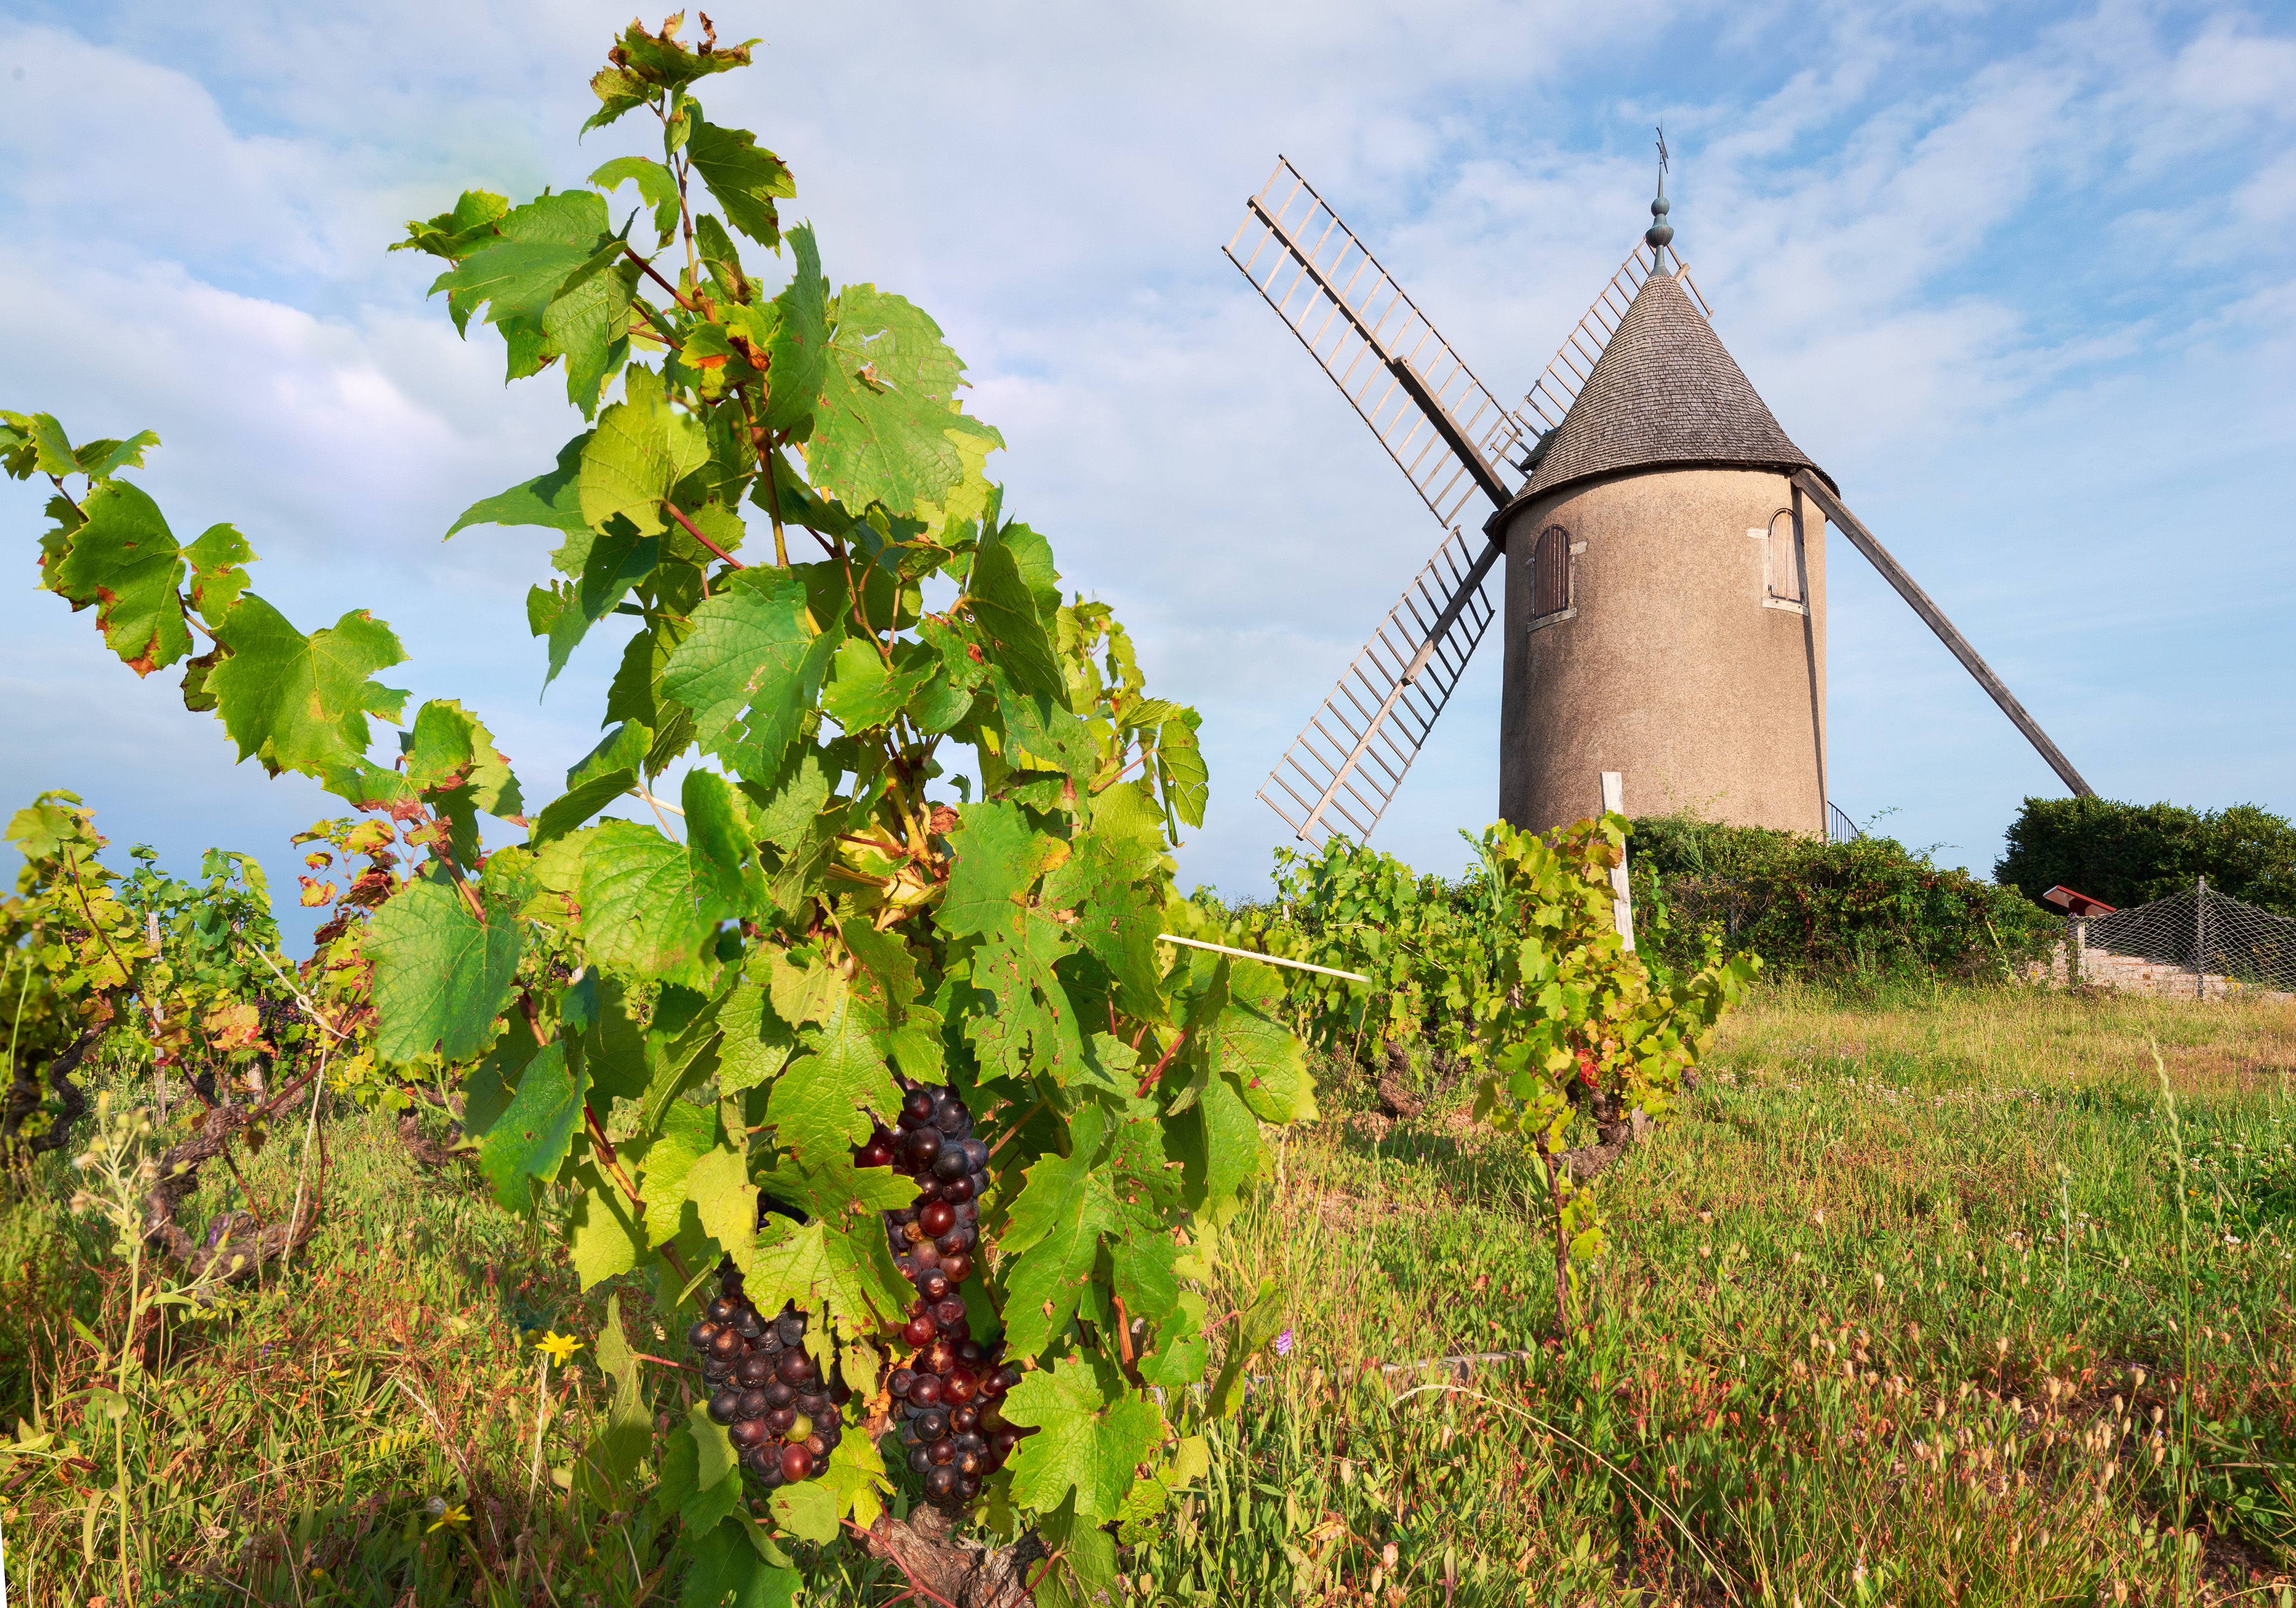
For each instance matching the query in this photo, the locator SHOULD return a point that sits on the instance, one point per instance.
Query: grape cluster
(767, 1391)
(951, 1391)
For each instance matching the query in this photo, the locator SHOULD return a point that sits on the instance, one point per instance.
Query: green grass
(1871, 1329)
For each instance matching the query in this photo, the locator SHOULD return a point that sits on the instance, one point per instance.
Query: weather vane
(1661, 230)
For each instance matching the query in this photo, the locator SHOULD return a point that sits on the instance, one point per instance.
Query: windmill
(1663, 615)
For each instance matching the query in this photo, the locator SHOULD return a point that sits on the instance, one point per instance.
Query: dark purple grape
(943, 1450)
(873, 1154)
(917, 1331)
(969, 1441)
(932, 1424)
(779, 1393)
(903, 1218)
(957, 1239)
(957, 1267)
(724, 1406)
(790, 1326)
(754, 1370)
(928, 1189)
(920, 1459)
(748, 1324)
(779, 1419)
(949, 1312)
(727, 1346)
(918, 1103)
(942, 1484)
(701, 1334)
(960, 1385)
(963, 1420)
(754, 1404)
(971, 1350)
(970, 1460)
(927, 1255)
(958, 1190)
(747, 1433)
(721, 1310)
(977, 1154)
(951, 1163)
(926, 1389)
(793, 1367)
(797, 1463)
(932, 1283)
(906, 1266)
(762, 1457)
(936, 1219)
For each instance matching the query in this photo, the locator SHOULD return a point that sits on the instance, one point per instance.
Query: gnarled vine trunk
(24, 1097)
(956, 1568)
(245, 1245)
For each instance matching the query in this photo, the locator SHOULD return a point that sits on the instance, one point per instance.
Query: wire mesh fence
(2200, 944)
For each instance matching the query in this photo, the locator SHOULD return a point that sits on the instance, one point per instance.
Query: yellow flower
(452, 1515)
(559, 1347)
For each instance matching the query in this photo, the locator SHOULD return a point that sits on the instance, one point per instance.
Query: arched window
(1550, 573)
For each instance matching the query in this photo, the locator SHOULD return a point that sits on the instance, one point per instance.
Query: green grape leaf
(1217, 1138)
(1121, 845)
(643, 447)
(218, 575)
(800, 342)
(1254, 1330)
(821, 1105)
(441, 976)
(1004, 609)
(35, 444)
(125, 561)
(1258, 1053)
(727, 1570)
(577, 804)
(807, 1510)
(744, 178)
(887, 426)
(785, 807)
(1030, 1026)
(752, 647)
(1086, 1442)
(642, 908)
(1180, 765)
(552, 499)
(999, 856)
(723, 262)
(532, 1137)
(855, 1475)
(688, 1133)
(758, 1044)
(455, 235)
(719, 1184)
(655, 182)
(100, 460)
(1054, 1234)
(300, 702)
(1036, 726)
(863, 692)
(717, 847)
(603, 1237)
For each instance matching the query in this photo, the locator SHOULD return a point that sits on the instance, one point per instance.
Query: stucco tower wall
(1671, 667)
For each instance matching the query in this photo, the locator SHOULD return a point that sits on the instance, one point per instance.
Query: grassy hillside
(1903, 1310)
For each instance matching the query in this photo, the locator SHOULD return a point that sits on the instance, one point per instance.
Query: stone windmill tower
(1663, 612)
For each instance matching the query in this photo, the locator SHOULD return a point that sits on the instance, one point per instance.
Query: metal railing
(1839, 827)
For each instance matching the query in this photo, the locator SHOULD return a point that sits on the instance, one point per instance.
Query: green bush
(2130, 854)
(1870, 909)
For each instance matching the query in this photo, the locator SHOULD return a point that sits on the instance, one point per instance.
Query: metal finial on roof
(1660, 232)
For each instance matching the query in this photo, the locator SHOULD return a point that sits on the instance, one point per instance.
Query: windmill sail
(1443, 429)
(1341, 773)
(1551, 396)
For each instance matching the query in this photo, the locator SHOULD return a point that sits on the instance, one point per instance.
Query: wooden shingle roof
(1664, 394)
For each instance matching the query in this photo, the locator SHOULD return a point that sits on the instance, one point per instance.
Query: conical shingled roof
(1664, 394)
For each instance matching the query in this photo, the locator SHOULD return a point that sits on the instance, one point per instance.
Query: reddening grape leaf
(125, 561)
(744, 178)
(1087, 1442)
(1052, 1235)
(441, 976)
(300, 702)
(886, 425)
(451, 760)
(643, 447)
(532, 1137)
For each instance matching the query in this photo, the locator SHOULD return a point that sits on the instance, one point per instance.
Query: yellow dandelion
(452, 1514)
(559, 1346)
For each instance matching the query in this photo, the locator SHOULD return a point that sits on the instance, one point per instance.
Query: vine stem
(677, 514)
(648, 268)
(1156, 1070)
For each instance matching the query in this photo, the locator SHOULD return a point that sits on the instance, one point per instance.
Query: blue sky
(2019, 277)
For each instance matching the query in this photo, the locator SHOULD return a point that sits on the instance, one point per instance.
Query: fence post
(1622, 906)
(2200, 939)
(2078, 947)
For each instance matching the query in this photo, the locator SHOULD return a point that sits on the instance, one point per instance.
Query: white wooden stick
(1273, 960)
